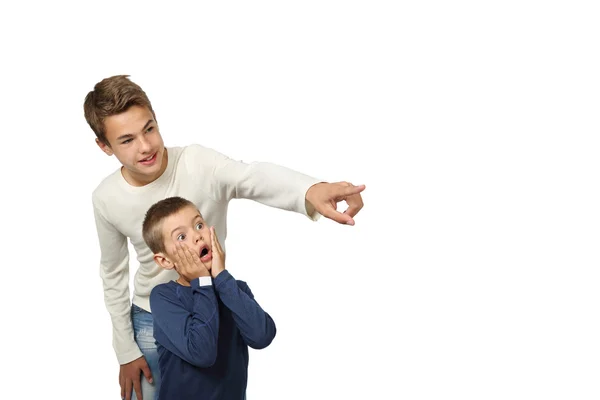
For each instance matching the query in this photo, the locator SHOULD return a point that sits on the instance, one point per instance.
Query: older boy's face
(187, 226)
(136, 142)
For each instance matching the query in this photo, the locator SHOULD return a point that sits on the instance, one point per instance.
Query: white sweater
(205, 177)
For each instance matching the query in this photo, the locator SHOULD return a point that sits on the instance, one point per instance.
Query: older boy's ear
(104, 147)
(163, 261)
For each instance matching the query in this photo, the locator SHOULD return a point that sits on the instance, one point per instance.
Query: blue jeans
(143, 330)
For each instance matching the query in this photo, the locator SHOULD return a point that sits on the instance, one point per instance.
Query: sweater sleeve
(114, 271)
(191, 334)
(264, 182)
(255, 325)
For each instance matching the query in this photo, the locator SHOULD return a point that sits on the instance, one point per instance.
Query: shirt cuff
(201, 282)
(205, 281)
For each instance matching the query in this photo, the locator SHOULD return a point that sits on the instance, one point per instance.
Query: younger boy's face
(136, 142)
(188, 227)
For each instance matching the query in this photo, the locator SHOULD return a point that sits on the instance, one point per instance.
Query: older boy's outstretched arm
(277, 186)
(190, 334)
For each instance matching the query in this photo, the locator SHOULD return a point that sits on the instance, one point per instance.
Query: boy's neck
(182, 281)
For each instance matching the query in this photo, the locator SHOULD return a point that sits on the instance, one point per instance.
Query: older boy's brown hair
(152, 226)
(112, 96)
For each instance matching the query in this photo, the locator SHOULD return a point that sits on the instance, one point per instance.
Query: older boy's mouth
(148, 160)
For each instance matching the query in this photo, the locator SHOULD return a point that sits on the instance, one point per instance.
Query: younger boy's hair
(156, 214)
(112, 96)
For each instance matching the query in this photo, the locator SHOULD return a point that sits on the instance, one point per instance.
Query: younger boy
(205, 320)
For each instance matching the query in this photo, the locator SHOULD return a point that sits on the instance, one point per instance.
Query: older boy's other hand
(130, 376)
(218, 256)
(325, 196)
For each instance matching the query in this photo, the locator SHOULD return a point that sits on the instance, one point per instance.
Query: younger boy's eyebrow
(173, 231)
(129, 135)
(181, 227)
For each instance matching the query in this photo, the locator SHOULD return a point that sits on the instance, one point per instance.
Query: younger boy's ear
(104, 147)
(162, 260)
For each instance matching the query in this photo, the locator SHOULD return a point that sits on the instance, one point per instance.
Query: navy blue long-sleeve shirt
(203, 334)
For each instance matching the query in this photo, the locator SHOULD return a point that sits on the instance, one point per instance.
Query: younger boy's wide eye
(199, 225)
(149, 129)
(181, 237)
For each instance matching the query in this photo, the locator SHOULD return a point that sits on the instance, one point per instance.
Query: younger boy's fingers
(187, 254)
(219, 246)
(216, 242)
(182, 261)
(217, 239)
(178, 258)
(213, 238)
(190, 256)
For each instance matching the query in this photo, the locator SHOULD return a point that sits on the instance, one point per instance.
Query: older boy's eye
(199, 225)
(127, 141)
(181, 237)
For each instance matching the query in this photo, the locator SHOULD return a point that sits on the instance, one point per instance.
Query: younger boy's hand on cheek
(188, 264)
(218, 256)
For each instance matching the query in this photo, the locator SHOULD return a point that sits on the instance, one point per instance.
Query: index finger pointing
(351, 190)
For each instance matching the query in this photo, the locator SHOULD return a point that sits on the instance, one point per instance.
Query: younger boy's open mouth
(205, 254)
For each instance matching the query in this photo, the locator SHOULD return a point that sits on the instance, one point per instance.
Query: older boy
(121, 116)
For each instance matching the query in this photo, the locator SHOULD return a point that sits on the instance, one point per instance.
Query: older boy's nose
(144, 145)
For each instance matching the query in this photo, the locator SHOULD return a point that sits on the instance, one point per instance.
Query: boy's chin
(149, 171)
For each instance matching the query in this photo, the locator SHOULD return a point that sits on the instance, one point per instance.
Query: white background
(472, 272)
